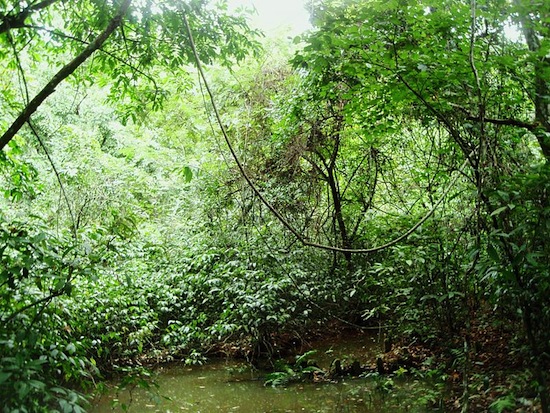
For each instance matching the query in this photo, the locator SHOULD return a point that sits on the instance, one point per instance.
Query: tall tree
(453, 66)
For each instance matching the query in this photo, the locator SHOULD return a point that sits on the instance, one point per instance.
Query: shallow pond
(230, 386)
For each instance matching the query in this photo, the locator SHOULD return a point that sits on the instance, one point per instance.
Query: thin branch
(53, 293)
(367, 204)
(505, 122)
(65, 72)
(472, 58)
(501, 122)
(22, 77)
(354, 172)
(58, 176)
(55, 32)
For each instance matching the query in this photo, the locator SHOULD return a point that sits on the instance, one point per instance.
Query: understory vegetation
(390, 167)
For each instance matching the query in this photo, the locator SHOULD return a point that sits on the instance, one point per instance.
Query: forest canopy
(173, 181)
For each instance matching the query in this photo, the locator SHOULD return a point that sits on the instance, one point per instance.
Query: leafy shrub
(40, 355)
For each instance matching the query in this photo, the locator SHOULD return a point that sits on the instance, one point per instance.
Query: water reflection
(230, 386)
(223, 387)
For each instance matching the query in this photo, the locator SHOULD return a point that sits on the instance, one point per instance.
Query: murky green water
(229, 386)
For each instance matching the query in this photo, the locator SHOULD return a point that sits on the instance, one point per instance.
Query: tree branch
(18, 21)
(503, 122)
(65, 72)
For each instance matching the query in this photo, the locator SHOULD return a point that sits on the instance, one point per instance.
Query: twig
(58, 176)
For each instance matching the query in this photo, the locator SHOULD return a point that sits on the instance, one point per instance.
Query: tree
(141, 37)
(453, 68)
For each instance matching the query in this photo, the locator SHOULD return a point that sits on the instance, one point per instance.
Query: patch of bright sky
(291, 17)
(276, 16)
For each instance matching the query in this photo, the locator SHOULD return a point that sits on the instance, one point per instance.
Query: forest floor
(497, 377)
(497, 373)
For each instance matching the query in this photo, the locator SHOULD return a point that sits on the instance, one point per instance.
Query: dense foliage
(408, 142)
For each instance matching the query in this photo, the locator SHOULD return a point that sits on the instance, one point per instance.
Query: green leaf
(187, 174)
(71, 348)
(4, 376)
(493, 253)
(504, 403)
(499, 210)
